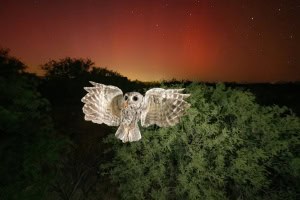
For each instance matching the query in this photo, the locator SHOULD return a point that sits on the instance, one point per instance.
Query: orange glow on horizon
(155, 40)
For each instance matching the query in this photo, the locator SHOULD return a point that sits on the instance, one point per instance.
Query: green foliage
(29, 149)
(227, 147)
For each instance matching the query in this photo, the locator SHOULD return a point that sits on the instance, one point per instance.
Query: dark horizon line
(148, 82)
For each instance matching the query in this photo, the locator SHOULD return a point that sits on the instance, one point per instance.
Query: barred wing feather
(102, 104)
(163, 107)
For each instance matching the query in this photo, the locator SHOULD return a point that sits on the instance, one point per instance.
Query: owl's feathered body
(130, 116)
(106, 104)
(128, 129)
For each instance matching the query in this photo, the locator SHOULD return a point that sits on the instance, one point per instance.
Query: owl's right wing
(102, 104)
(163, 107)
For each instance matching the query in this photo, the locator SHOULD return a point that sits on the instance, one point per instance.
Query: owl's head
(133, 99)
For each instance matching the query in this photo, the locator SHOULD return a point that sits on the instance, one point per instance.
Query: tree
(29, 147)
(67, 68)
(65, 79)
(63, 86)
(10, 65)
(227, 147)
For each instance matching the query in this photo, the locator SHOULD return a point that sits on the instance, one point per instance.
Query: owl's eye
(126, 97)
(135, 98)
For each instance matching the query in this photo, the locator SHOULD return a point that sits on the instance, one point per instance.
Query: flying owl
(107, 104)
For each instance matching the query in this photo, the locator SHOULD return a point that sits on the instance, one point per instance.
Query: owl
(107, 104)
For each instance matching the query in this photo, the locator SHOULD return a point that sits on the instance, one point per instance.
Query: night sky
(212, 40)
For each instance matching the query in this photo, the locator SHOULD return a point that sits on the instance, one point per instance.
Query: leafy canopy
(227, 147)
(29, 149)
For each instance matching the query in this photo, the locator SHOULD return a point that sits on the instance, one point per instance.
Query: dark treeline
(281, 93)
(48, 151)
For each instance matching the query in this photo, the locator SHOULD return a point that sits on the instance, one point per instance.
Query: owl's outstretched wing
(102, 104)
(163, 107)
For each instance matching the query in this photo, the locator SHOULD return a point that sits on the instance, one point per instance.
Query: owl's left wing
(163, 107)
(102, 104)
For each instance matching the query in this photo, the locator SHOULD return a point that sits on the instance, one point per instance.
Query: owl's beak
(125, 104)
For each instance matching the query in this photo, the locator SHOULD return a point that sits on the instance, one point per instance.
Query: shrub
(29, 147)
(227, 147)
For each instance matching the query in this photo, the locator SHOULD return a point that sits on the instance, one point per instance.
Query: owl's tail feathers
(128, 133)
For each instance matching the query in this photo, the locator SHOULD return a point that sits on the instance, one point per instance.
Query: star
(260, 35)
(260, 52)
(157, 28)
(165, 4)
(36, 3)
(291, 61)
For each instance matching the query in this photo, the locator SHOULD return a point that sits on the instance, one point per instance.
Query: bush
(227, 147)
(29, 147)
